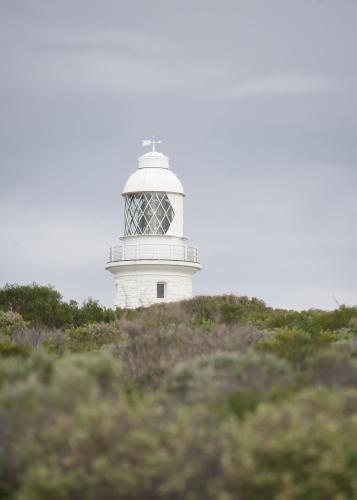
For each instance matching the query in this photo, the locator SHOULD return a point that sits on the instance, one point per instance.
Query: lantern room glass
(148, 213)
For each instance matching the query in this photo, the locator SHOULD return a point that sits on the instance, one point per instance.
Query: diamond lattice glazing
(147, 213)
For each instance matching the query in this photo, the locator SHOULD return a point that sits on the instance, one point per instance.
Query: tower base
(141, 283)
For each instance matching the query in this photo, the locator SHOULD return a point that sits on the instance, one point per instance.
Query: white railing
(153, 252)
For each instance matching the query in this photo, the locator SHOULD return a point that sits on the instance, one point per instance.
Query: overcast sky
(255, 102)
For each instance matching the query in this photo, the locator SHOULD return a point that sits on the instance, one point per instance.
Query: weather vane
(151, 142)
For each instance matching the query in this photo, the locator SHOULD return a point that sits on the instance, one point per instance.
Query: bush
(333, 368)
(347, 346)
(118, 450)
(235, 382)
(296, 345)
(147, 356)
(11, 322)
(37, 396)
(68, 431)
(240, 309)
(302, 449)
(92, 336)
(7, 349)
(312, 321)
(189, 400)
(43, 306)
(38, 304)
(228, 309)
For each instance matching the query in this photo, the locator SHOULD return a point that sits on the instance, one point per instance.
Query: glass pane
(165, 224)
(147, 213)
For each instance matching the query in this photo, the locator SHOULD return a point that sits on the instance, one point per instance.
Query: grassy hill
(210, 398)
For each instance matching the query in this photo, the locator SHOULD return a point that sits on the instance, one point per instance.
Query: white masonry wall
(139, 289)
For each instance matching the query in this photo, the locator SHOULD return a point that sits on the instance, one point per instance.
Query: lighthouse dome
(153, 174)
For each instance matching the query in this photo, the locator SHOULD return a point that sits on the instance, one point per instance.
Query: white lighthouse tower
(154, 263)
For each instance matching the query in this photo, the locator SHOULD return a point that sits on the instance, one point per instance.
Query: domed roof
(153, 174)
(153, 159)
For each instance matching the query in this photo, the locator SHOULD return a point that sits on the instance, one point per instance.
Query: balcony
(153, 252)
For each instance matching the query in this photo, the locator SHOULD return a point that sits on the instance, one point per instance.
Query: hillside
(211, 398)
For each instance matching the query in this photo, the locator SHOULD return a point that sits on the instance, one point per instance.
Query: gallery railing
(153, 252)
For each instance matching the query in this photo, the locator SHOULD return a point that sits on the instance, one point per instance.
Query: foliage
(234, 382)
(70, 430)
(148, 356)
(92, 336)
(8, 349)
(295, 344)
(333, 367)
(312, 321)
(228, 309)
(42, 305)
(211, 398)
(302, 449)
(11, 322)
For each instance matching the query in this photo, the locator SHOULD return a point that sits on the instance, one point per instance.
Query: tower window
(147, 213)
(160, 290)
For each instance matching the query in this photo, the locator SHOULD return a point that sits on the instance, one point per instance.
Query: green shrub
(68, 437)
(56, 342)
(235, 309)
(301, 449)
(312, 321)
(296, 345)
(43, 306)
(8, 349)
(235, 382)
(147, 356)
(120, 450)
(193, 400)
(352, 325)
(70, 430)
(332, 368)
(92, 336)
(227, 309)
(11, 322)
(37, 396)
(38, 304)
(347, 346)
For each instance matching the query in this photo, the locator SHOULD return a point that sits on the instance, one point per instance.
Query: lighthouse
(154, 262)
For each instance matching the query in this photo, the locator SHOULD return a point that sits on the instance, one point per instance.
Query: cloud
(83, 67)
(109, 63)
(280, 84)
(82, 82)
(85, 40)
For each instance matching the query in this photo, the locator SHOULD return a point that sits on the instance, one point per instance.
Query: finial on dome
(151, 142)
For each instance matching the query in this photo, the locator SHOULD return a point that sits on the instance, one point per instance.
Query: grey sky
(256, 104)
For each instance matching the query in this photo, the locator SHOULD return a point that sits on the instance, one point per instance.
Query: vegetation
(43, 306)
(211, 398)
